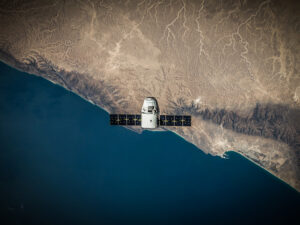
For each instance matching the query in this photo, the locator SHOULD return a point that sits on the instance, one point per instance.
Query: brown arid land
(233, 65)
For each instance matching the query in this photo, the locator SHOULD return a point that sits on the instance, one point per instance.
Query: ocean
(62, 163)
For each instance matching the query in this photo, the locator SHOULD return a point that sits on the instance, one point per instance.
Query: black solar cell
(130, 120)
(162, 119)
(113, 119)
(178, 120)
(138, 120)
(122, 119)
(187, 121)
(170, 121)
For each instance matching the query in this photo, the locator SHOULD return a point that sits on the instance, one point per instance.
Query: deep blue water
(61, 163)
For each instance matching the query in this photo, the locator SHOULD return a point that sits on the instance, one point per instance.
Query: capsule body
(150, 113)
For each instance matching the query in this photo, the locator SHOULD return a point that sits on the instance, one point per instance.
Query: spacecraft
(150, 117)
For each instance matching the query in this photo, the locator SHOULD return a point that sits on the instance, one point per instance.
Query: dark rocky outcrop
(278, 122)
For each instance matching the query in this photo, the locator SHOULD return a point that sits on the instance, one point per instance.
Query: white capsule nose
(149, 113)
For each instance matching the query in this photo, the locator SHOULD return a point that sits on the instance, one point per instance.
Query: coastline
(265, 170)
(139, 130)
(225, 156)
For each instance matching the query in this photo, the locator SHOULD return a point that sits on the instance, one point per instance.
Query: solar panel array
(125, 119)
(135, 120)
(175, 120)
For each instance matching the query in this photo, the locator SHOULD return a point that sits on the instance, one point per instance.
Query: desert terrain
(232, 65)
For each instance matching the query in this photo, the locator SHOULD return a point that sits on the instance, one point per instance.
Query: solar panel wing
(122, 119)
(170, 120)
(138, 120)
(187, 121)
(114, 119)
(130, 120)
(162, 120)
(178, 120)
